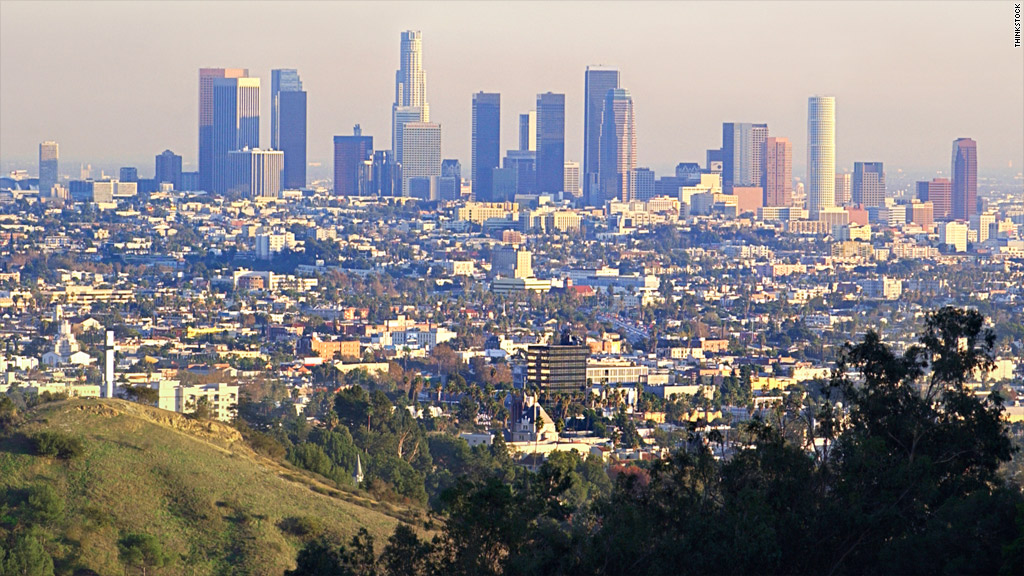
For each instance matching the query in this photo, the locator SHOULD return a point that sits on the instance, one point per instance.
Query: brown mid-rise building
(939, 191)
(329, 349)
(777, 176)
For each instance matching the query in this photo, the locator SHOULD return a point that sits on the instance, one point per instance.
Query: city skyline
(349, 94)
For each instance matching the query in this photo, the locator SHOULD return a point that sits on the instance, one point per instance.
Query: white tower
(108, 372)
(410, 90)
(821, 154)
(358, 476)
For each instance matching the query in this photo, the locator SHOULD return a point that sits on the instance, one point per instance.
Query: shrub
(58, 445)
(266, 444)
(47, 505)
(301, 526)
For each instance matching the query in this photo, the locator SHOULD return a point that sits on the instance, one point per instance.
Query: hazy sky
(116, 82)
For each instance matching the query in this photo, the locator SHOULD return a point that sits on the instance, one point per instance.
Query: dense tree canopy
(896, 472)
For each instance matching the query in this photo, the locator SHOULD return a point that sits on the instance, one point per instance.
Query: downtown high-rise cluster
(752, 170)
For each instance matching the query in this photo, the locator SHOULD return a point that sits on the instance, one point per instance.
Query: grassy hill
(216, 506)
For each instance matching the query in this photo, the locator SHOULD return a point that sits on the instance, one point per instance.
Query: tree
(47, 506)
(407, 555)
(142, 551)
(201, 409)
(27, 557)
(324, 557)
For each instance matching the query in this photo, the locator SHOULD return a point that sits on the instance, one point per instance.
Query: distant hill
(216, 505)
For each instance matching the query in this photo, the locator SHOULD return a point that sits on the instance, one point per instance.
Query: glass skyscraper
(206, 78)
(965, 178)
(486, 144)
(288, 125)
(168, 169)
(350, 152)
(49, 156)
(868, 184)
(597, 82)
(550, 142)
(742, 149)
(236, 123)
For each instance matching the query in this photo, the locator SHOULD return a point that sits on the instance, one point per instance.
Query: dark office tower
(128, 174)
(597, 82)
(48, 158)
(236, 124)
(168, 169)
(868, 184)
(777, 178)
(618, 149)
(940, 193)
(528, 132)
(558, 368)
(206, 79)
(288, 126)
(349, 154)
(486, 144)
(281, 80)
(742, 145)
(451, 179)
(387, 174)
(714, 161)
(550, 142)
(965, 179)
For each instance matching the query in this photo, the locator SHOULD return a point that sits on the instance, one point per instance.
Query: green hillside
(216, 506)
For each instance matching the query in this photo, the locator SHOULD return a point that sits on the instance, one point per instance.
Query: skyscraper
(868, 184)
(550, 142)
(451, 179)
(168, 169)
(255, 173)
(401, 116)
(128, 174)
(844, 189)
(618, 148)
(288, 125)
(206, 79)
(939, 191)
(421, 149)
(965, 178)
(642, 184)
(49, 157)
(528, 132)
(349, 154)
(777, 177)
(572, 178)
(410, 89)
(236, 123)
(281, 80)
(742, 147)
(486, 144)
(597, 82)
(821, 154)
(387, 174)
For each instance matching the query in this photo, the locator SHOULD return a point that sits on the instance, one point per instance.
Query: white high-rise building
(410, 89)
(954, 234)
(572, 178)
(821, 154)
(256, 173)
(421, 152)
(618, 146)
